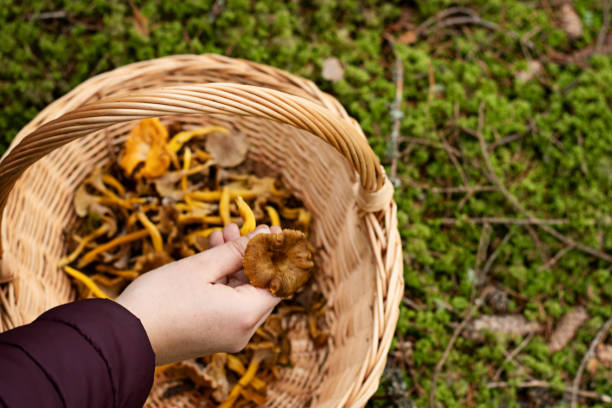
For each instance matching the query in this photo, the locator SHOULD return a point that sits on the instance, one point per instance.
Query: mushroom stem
(215, 195)
(274, 218)
(124, 239)
(156, 238)
(234, 364)
(113, 182)
(85, 280)
(86, 240)
(129, 274)
(181, 138)
(303, 220)
(106, 281)
(186, 165)
(243, 382)
(201, 233)
(224, 210)
(248, 224)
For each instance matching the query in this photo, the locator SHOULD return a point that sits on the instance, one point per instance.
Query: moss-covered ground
(503, 163)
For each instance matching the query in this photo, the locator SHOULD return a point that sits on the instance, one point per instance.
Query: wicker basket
(297, 132)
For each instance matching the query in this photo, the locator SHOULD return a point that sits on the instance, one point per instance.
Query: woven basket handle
(213, 98)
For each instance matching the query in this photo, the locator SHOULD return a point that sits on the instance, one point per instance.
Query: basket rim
(380, 220)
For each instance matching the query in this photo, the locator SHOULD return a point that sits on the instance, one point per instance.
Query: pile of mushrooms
(158, 201)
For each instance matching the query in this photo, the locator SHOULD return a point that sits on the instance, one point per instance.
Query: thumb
(224, 259)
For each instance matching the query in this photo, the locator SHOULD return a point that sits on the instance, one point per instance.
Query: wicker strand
(290, 125)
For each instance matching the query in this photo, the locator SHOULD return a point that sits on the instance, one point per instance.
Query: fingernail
(261, 229)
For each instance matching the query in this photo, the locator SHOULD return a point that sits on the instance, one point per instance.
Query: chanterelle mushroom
(280, 262)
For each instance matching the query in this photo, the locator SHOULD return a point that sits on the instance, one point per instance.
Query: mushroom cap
(279, 262)
(227, 150)
(147, 143)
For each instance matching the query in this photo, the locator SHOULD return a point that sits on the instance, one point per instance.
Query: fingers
(237, 279)
(275, 229)
(224, 259)
(231, 232)
(216, 239)
(260, 301)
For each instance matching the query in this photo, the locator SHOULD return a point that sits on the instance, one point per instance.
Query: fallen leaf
(209, 375)
(534, 68)
(570, 21)
(227, 150)
(566, 328)
(506, 324)
(604, 354)
(332, 69)
(141, 24)
(409, 37)
(592, 365)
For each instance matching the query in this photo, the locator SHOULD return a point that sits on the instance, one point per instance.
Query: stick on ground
(587, 356)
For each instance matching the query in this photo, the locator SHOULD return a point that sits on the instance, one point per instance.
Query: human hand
(202, 304)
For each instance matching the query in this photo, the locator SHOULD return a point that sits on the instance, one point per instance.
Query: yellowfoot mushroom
(279, 262)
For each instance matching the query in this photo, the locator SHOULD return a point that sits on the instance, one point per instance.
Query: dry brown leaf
(507, 324)
(592, 365)
(408, 37)
(332, 69)
(211, 375)
(604, 354)
(227, 150)
(566, 328)
(570, 21)
(534, 68)
(141, 24)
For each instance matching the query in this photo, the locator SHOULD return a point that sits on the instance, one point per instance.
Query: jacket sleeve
(90, 353)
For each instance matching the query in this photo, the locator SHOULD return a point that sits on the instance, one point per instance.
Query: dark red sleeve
(90, 353)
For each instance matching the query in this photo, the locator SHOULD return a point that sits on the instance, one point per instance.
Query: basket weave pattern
(295, 132)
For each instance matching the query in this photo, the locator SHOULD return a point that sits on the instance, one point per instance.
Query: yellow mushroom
(124, 239)
(201, 233)
(224, 209)
(181, 138)
(113, 182)
(248, 218)
(105, 280)
(245, 380)
(129, 274)
(303, 220)
(86, 240)
(186, 165)
(156, 238)
(86, 280)
(234, 364)
(274, 218)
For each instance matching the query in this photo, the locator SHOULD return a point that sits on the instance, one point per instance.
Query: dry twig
(603, 33)
(517, 205)
(552, 261)
(481, 254)
(507, 220)
(396, 114)
(444, 19)
(510, 356)
(546, 384)
(473, 309)
(603, 331)
(493, 257)
(462, 189)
